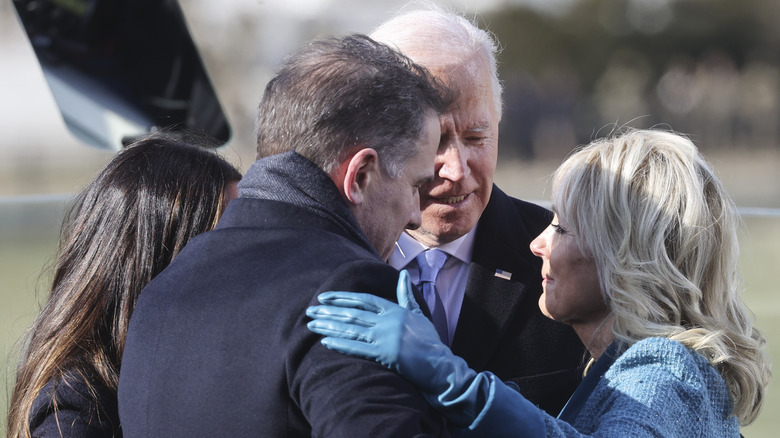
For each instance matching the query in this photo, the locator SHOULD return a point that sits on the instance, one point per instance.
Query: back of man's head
(340, 94)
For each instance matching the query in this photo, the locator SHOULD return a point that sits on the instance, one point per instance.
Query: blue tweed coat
(656, 388)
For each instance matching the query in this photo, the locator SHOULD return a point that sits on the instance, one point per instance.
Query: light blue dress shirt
(451, 282)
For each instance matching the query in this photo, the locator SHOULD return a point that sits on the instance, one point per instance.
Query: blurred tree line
(706, 68)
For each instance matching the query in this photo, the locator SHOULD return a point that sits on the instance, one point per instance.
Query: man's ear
(360, 171)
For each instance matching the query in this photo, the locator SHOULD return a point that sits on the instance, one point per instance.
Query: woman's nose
(539, 244)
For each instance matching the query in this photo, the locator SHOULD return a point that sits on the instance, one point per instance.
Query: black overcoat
(218, 344)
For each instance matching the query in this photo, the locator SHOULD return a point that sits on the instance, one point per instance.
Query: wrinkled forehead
(452, 66)
(474, 103)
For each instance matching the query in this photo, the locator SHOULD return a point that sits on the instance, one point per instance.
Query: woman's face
(571, 291)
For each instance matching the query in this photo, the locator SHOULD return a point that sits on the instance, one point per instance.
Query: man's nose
(454, 161)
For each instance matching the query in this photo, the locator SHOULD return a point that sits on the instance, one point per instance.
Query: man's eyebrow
(478, 127)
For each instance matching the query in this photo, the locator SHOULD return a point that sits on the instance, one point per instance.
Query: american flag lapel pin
(500, 273)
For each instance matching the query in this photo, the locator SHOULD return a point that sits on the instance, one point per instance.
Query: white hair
(663, 233)
(431, 32)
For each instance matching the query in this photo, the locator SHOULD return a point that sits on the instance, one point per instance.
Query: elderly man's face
(466, 159)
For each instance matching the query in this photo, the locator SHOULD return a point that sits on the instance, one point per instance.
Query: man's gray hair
(338, 94)
(433, 31)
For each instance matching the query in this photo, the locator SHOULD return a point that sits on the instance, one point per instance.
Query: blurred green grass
(759, 264)
(28, 239)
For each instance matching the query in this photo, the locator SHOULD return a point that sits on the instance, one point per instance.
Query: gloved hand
(402, 339)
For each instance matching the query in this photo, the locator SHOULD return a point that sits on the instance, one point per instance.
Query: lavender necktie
(430, 262)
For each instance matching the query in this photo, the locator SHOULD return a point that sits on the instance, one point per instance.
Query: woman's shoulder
(656, 366)
(665, 358)
(659, 377)
(657, 351)
(73, 406)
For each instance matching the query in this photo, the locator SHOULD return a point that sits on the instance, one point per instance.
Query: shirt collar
(406, 249)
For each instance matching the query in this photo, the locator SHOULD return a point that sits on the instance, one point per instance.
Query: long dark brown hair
(122, 230)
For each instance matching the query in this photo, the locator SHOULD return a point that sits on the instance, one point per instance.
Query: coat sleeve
(78, 414)
(656, 390)
(345, 396)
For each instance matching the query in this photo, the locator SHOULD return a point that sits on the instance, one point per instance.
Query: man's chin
(439, 234)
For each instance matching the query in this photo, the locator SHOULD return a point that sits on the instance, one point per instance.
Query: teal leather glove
(402, 339)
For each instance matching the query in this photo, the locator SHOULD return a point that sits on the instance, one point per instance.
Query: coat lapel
(490, 301)
(488, 305)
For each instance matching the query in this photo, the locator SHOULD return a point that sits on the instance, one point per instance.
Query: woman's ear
(361, 171)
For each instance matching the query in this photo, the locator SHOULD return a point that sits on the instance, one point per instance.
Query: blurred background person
(641, 260)
(122, 230)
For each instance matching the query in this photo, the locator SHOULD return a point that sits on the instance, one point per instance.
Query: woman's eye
(558, 229)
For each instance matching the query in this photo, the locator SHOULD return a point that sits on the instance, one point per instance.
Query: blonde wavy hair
(663, 233)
